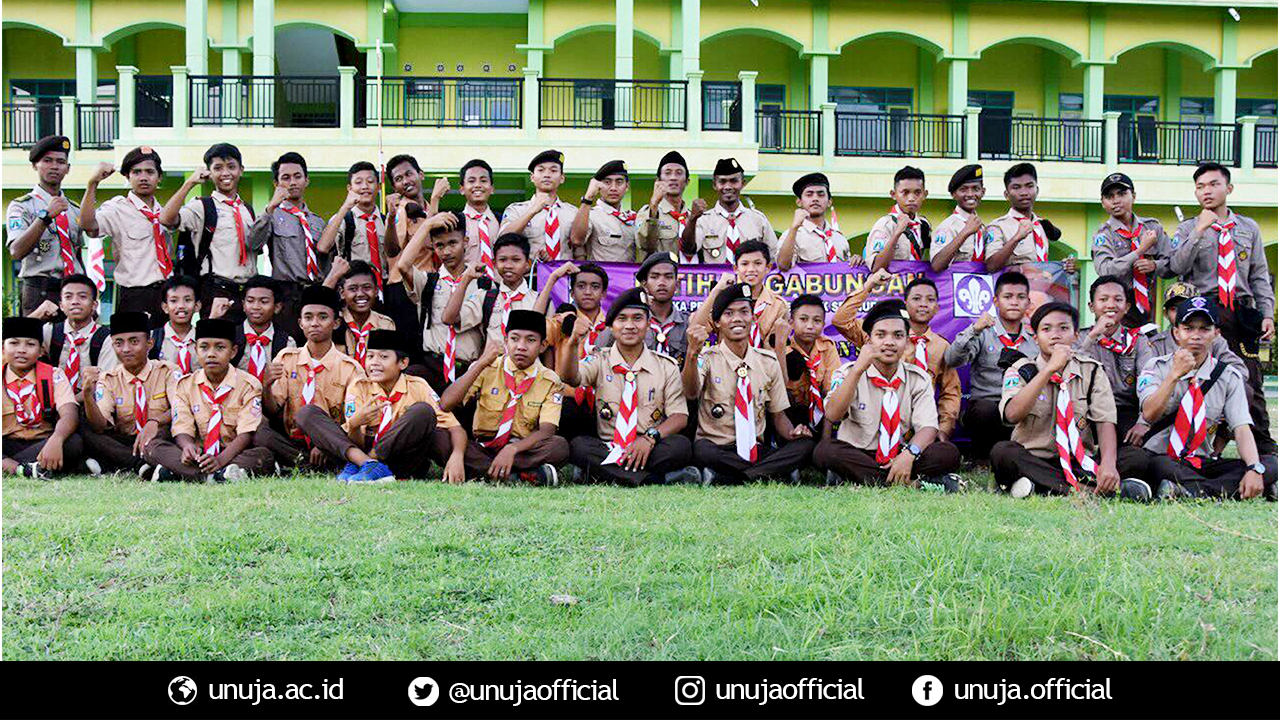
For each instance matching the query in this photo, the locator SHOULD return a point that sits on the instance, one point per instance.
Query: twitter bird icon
(424, 692)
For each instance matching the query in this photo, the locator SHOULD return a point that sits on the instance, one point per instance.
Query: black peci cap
(216, 329)
(554, 156)
(528, 320)
(727, 166)
(128, 322)
(24, 327)
(673, 157)
(48, 144)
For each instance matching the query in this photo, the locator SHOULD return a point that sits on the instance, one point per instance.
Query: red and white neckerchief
(451, 343)
(515, 391)
(314, 368)
(139, 404)
(827, 234)
(1226, 264)
(662, 333)
(1038, 237)
(182, 356)
(27, 406)
(213, 429)
(732, 236)
(62, 225)
(375, 250)
(626, 217)
(890, 435)
(508, 298)
(1067, 435)
(313, 264)
(388, 412)
(157, 236)
(1010, 341)
(817, 410)
(1141, 281)
(235, 204)
(744, 417)
(361, 335)
(912, 232)
(835, 219)
(551, 229)
(682, 220)
(1189, 427)
(757, 337)
(921, 356)
(73, 353)
(258, 345)
(979, 241)
(586, 393)
(485, 242)
(1123, 346)
(624, 425)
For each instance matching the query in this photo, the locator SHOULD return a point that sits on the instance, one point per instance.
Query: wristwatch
(44, 216)
(585, 200)
(1259, 468)
(914, 449)
(653, 434)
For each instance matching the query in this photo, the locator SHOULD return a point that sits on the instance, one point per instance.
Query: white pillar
(1111, 139)
(1248, 140)
(197, 40)
(69, 124)
(127, 97)
(971, 133)
(346, 100)
(532, 103)
(748, 105)
(693, 106)
(181, 100)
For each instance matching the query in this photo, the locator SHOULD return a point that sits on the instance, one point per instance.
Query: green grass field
(307, 568)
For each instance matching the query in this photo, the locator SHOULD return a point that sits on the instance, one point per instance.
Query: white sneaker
(1020, 489)
(95, 467)
(144, 471)
(234, 473)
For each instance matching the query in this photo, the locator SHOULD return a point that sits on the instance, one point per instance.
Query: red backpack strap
(44, 380)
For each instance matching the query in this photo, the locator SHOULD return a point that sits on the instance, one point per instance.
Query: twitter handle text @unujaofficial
(183, 690)
(518, 692)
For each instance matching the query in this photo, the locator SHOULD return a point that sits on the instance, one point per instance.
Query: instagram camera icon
(691, 690)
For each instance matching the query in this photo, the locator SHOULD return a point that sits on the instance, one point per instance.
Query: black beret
(216, 329)
(129, 322)
(388, 340)
(24, 327)
(673, 157)
(613, 167)
(530, 320)
(554, 156)
(731, 294)
(1197, 306)
(891, 308)
(137, 155)
(1115, 179)
(726, 166)
(809, 180)
(633, 298)
(320, 295)
(48, 144)
(657, 258)
(967, 173)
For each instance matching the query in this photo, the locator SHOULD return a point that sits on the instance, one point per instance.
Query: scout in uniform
(602, 227)
(668, 324)
(305, 386)
(1164, 343)
(904, 233)
(480, 303)
(1132, 248)
(291, 233)
(989, 346)
(359, 291)
(751, 267)
(1184, 396)
(175, 341)
(407, 208)
(223, 257)
(545, 219)
(1222, 255)
(809, 360)
(140, 244)
(1122, 352)
(40, 411)
(588, 284)
(517, 407)
(216, 412)
(717, 234)
(1020, 236)
(44, 226)
(259, 337)
(811, 239)
(735, 384)
(640, 404)
(888, 420)
(404, 175)
(127, 406)
(661, 223)
(960, 236)
(1064, 420)
(476, 185)
(357, 230)
(392, 418)
(79, 342)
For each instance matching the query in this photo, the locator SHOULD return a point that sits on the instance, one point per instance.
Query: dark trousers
(290, 452)
(286, 319)
(145, 298)
(431, 369)
(1126, 418)
(254, 460)
(985, 427)
(670, 454)
(576, 419)
(408, 448)
(548, 451)
(1242, 341)
(1216, 478)
(772, 462)
(35, 290)
(1010, 461)
(859, 466)
(26, 451)
(113, 449)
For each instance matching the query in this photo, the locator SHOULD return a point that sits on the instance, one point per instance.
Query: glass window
(1070, 104)
(1131, 104)
(870, 100)
(1195, 109)
(990, 99)
(1261, 107)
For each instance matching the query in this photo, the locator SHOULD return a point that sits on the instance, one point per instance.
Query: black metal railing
(439, 102)
(97, 125)
(1039, 138)
(264, 100)
(153, 101)
(610, 104)
(899, 134)
(789, 132)
(27, 122)
(722, 106)
(1264, 146)
(1178, 143)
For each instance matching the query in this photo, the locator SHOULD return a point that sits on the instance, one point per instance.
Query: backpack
(192, 256)
(429, 293)
(59, 336)
(1164, 422)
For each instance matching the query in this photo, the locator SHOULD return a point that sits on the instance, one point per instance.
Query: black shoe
(164, 474)
(1135, 489)
(833, 478)
(1270, 492)
(687, 475)
(1171, 490)
(793, 477)
(709, 477)
(949, 483)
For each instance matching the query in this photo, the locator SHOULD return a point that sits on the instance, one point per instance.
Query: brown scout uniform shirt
(224, 251)
(1005, 227)
(380, 322)
(536, 230)
(1037, 430)
(798, 389)
(773, 306)
(331, 383)
(133, 243)
(470, 340)
(541, 403)
(114, 393)
(718, 386)
(880, 233)
(665, 232)
(948, 230)
(811, 244)
(752, 225)
(609, 239)
(415, 390)
(860, 426)
(945, 378)
(62, 395)
(658, 385)
(241, 410)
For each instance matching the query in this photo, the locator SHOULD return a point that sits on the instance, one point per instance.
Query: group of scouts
(393, 336)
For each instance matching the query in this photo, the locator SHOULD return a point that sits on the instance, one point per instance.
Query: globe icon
(182, 690)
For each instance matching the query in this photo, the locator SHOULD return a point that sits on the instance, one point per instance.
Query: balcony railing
(439, 102)
(1264, 146)
(610, 104)
(1040, 139)
(27, 122)
(1176, 143)
(264, 101)
(790, 132)
(153, 104)
(722, 106)
(97, 125)
(899, 134)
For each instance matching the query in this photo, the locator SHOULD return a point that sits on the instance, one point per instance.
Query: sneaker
(793, 477)
(548, 475)
(709, 477)
(578, 476)
(164, 474)
(1170, 490)
(93, 466)
(144, 471)
(234, 473)
(348, 471)
(833, 478)
(949, 483)
(374, 472)
(1135, 489)
(1021, 488)
(687, 475)
(30, 470)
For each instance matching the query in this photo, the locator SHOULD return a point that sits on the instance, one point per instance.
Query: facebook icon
(927, 690)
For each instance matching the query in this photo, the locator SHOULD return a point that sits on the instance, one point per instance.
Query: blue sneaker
(347, 473)
(374, 472)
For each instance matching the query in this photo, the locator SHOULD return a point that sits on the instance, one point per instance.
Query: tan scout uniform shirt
(811, 244)
(555, 334)
(360, 240)
(169, 349)
(114, 393)
(1114, 255)
(752, 225)
(882, 230)
(241, 410)
(1005, 227)
(473, 307)
(770, 307)
(224, 252)
(660, 231)
(609, 237)
(1197, 261)
(860, 426)
(536, 229)
(1037, 430)
(380, 322)
(1162, 343)
(106, 357)
(45, 258)
(415, 390)
(1122, 370)
(541, 403)
(133, 242)
(470, 340)
(1227, 401)
(948, 230)
(331, 384)
(945, 378)
(718, 387)
(798, 389)
(62, 395)
(491, 224)
(658, 387)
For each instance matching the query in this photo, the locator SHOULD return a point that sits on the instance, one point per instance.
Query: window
(770, 100)
(1138, 117)
(871, 100)
(721, 105)
(995, 123)
(1195, 110)
(1263, 108)
(1070, 105)
(52, 90)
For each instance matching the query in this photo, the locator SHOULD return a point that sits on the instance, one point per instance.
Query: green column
(624, 40)
(197, 38)
(819, 90)
(1224, 76)
(86, 59)
(230, 38)
(691, 38)
(1172, 86)
(264, 37)
(924, 81)
(1094, 68)
(957, 86)
(675, 59)
(1094, 76)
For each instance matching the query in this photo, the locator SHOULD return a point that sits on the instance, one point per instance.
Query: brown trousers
(35, 290)
(548, 451)
(114, 449)
(772, 462)
(859, 466)
(254, 460)
(670, 454)
(26, 451)
(1010, 461)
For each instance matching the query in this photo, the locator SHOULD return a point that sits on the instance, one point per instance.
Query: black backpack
(429, 293)
(58, 338)
(192, 256)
